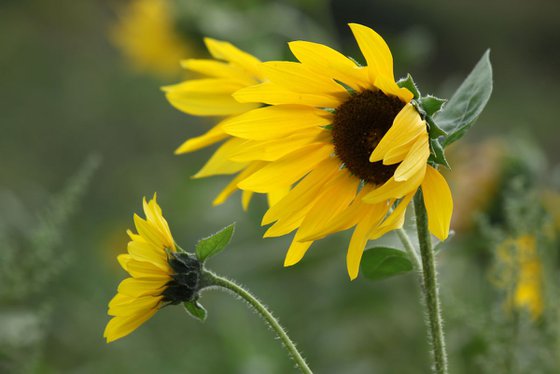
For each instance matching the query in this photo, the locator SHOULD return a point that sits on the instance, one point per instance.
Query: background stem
(210, 279)
(431, 294)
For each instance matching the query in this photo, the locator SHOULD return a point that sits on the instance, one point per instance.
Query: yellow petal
(207, 97)
(133, 305)
(395, 190)
(439, 203)
(142, 287)
(395, 219)
(298, 78)
(406, 127)
(143, 251)
(276, 121)
(305, 191)
(359, 240)
(246, 199)
(296, 251)
(124, 260)
(215, 135)
(273, 94)
(335, 198)
(273, 197)
(155, 218)
(232, 186)
(375, 50)
(228, 52)
(220, 162)
(218, 69)
(287, 170)
(272, 150)
(119, 327)
(391, 88)
(326, 61)
(146, 270)
(415, 160)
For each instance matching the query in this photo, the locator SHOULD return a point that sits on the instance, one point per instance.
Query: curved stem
(429, 276)
(405, 240)
(212, 280)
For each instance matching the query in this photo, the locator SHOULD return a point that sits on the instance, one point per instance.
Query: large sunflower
(159, 274)
(231, 70)
(345, 140)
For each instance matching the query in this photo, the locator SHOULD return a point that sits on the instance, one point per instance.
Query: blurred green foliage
(67, 92)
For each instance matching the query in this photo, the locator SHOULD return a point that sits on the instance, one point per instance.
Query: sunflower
(146, 35)
(344, 140)
(231, 70)
(159, 274)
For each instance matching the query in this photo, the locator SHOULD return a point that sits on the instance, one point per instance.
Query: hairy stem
(430, 286)
(212, 280)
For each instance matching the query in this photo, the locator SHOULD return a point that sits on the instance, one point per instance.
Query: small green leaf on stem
(437, 153)
(383, 262)
(215, 243)
(467, 102)
(195, 310)
(431, 104)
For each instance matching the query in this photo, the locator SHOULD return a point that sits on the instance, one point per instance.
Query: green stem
(212, 280)
(429, 277)
(412, 253)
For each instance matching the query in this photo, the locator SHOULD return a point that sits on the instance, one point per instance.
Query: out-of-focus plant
(32, 255)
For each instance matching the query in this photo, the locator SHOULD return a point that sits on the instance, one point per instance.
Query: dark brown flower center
(358, 126)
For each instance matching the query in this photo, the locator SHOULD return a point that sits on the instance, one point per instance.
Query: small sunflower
(345, 140)
(231, 70)
(159, 274)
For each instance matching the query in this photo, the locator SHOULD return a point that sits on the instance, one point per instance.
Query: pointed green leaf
(431, 104)
(214, 243)
(384, 262)
(438, 154)
(408, 83)
(195, 310)
(467, 103)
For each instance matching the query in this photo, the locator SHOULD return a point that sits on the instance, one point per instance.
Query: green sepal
(409, 84)
(437, 155)
(466, 104)
(215, 243)
(384, 262)
(433, 129)
(195, 310)
(431, 104)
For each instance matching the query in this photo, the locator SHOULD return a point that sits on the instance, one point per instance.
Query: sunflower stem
(213, 280)
(430, 287)
(409, 247)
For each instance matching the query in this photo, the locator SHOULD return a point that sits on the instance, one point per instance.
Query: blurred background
(86, 133)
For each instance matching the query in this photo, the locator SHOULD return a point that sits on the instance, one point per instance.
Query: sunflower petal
(375, 50)
(214, 135)
(220, 162)
(395, 190)
(273, 94)
(415, 160)
(228, 52)
(232, 186)
(119, 327)
(296, 251)
(439, 203)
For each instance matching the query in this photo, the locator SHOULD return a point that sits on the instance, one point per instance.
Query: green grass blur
(66, 92)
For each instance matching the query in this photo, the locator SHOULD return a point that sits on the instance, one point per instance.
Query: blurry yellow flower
(522, 274)
(340, 145)
(146, 35)
(153, 264)
(230, 70)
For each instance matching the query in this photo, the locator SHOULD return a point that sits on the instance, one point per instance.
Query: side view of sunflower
(159, 274)
(231, 70)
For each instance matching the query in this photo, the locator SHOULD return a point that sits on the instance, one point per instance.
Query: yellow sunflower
(231, 70)
(346, 142)
(159, 274)
(146, 36)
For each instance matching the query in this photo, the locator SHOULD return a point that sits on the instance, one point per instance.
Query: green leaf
(431, 104)
(408, 83)
(438, 154)
(467, 103)
(214, 244)
(433, 129)
(384, 262)
(195, 310)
